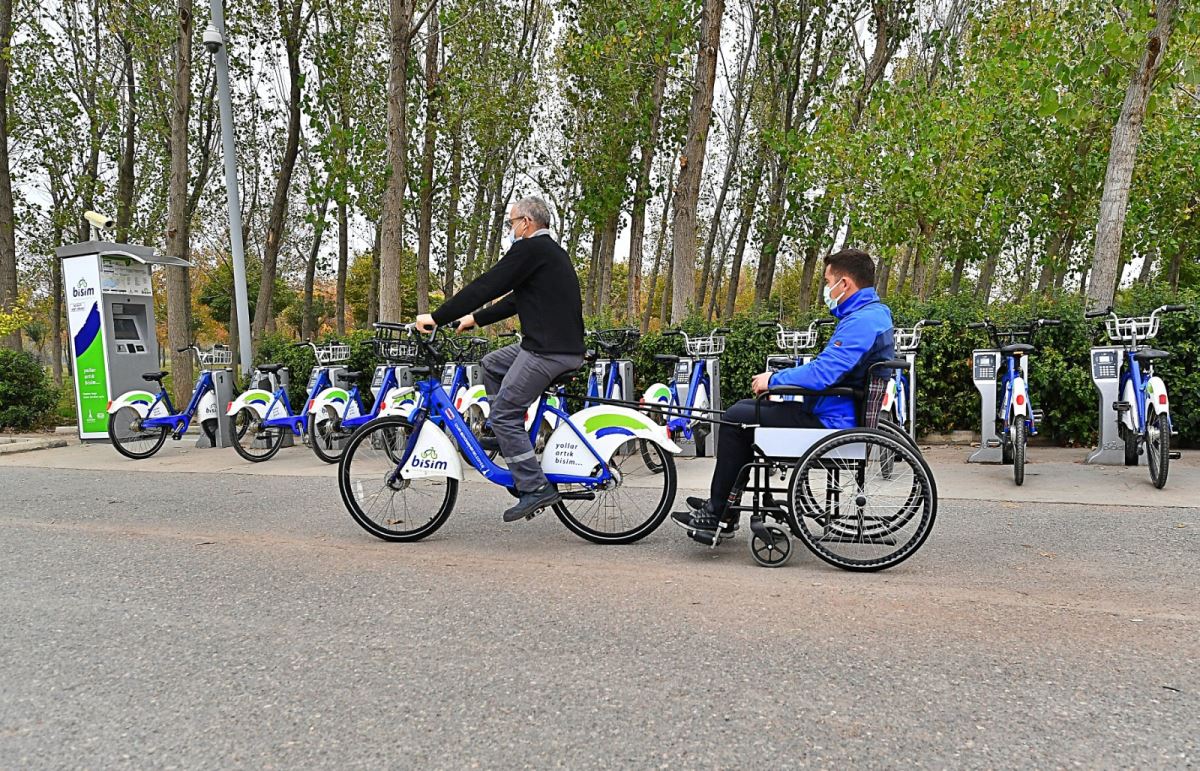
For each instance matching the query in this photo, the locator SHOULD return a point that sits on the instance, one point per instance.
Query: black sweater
(545, 295)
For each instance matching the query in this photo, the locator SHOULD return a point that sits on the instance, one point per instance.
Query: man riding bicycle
(543, 292)
(862, 337)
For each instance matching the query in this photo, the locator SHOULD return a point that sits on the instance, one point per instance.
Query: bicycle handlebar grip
(825, 322)
(1173, 308)
(932, 323)
(722, 331)
(1050, 322)
(977, 325)
(1096, 314)
(672, 333)
(507, 334)
(765, 324)
(390, 325)
(181, 350)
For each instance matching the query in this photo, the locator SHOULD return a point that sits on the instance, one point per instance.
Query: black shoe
(533, 502)
(489, 443)
(703, 517)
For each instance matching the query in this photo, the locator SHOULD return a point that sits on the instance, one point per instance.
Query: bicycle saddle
(666, 358)
(1150, 354)
(154, 376)
(562, 380)
(270, 369)
(351, 377)
(1017, 349)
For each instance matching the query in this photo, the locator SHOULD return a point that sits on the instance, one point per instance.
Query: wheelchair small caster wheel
(771, 549)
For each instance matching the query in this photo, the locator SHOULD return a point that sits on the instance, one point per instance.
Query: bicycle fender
(256, 399)
(334, 398)
(606, 428)
(470, 397)
(658, 393)
(433, 456)
(139, 400)
(207, 409)
(1129, 397)
(1156, 394)
(1020, 398)
(889, 396)
(398, 401)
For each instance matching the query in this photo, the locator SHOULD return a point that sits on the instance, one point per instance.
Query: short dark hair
(854, 263)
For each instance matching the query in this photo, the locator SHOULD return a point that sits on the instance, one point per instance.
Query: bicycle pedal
(1174, 455)
(992, 443)
(1121, 406)
(1038, 415)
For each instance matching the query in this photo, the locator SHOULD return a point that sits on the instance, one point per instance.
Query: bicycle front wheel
(252, 440)
(326, 436)
(632, 505)
(129, 438)
(379, 500)
(1019, 439)
(1158, 448)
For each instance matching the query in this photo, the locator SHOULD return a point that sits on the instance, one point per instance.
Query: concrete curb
(10, 445)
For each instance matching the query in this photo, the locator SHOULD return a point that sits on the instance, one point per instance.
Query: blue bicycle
(399, 475)
(1144, 409)
(262, 416)
(1016, 418)
(687, 419)
(337, 413)
(603, 359)
(897, 398)
(139, 421)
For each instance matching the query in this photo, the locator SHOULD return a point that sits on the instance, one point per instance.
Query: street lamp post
(214, 42)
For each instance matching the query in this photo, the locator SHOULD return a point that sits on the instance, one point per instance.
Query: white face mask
(831, 302)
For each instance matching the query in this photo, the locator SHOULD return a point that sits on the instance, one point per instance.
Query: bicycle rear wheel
(252, 440)
(129, 438)
(326, 436)
(1020, 437)
(630, 507)
(379, 500)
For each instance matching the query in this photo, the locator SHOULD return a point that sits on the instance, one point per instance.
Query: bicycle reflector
(1020, 399)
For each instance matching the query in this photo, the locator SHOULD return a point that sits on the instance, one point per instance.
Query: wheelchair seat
(1017, 349)
(154, 377)
(1150, 354)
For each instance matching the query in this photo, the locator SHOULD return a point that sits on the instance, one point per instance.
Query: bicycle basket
(712, 345)
(1125, 330)
(332, 353)
(795, 339)
(393, 348)
(907, 338)
(217, 356)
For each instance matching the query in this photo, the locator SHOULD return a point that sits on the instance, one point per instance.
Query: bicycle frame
(1143, 393)
(613, 381)
(1017, 401)
(179, 422)
(698, 377)
(435, 406)
(297, 423)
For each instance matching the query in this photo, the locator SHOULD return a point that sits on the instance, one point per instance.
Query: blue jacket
(862, 337)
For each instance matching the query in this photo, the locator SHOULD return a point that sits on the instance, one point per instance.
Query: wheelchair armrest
(889, 364)
(853, 393)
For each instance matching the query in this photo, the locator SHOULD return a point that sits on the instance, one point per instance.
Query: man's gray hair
(534, 208)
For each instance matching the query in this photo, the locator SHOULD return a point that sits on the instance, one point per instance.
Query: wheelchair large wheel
(861, 499)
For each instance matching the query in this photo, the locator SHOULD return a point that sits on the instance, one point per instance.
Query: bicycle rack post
(714, 398)
(285, 379)
(1106, 375)
(985, 365)
(223, 386)
(625, 370)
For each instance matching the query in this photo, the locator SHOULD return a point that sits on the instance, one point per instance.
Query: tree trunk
(307, 322)
(691, 164)
(290, 27)
(391, 247)
(376, 271)
(1121, 158)
(608, 247)
(658, 252)
(452, 212)
(477, 216)
(8, 246)
(641, 193)
(129, 143)
(592, 290)
(904, 266)
(956, 277)
(664, 309)
(749, 202)
(179, 295)
(883, 272)
(984, 290)
(343, 266)
(425, 220)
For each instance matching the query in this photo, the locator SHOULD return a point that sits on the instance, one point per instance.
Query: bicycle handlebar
(1098, 314)
(1173, 308)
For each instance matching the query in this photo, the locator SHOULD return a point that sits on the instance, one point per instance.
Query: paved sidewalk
(1054, 474)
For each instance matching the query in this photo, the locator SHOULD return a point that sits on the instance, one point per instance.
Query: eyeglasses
(510, 223)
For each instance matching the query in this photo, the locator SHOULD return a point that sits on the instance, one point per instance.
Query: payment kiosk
(1106, 375)
(110, 318)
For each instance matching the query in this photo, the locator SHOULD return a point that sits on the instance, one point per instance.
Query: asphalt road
(197, 620)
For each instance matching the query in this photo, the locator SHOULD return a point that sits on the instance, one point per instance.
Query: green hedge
(947, 399)
(28, 398)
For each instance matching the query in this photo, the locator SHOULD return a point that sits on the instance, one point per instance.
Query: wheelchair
(861, 499)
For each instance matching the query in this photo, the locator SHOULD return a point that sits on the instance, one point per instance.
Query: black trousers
(734, 445)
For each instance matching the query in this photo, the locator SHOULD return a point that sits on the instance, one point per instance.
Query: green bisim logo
(429, 460)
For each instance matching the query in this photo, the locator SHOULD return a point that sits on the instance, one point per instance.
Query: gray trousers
(514, 379)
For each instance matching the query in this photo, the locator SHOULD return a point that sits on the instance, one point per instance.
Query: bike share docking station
(704, 444)
(985, 370)
(110, 319)
(1105, 361)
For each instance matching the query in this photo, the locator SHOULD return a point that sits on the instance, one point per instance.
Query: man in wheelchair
(862, 337)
